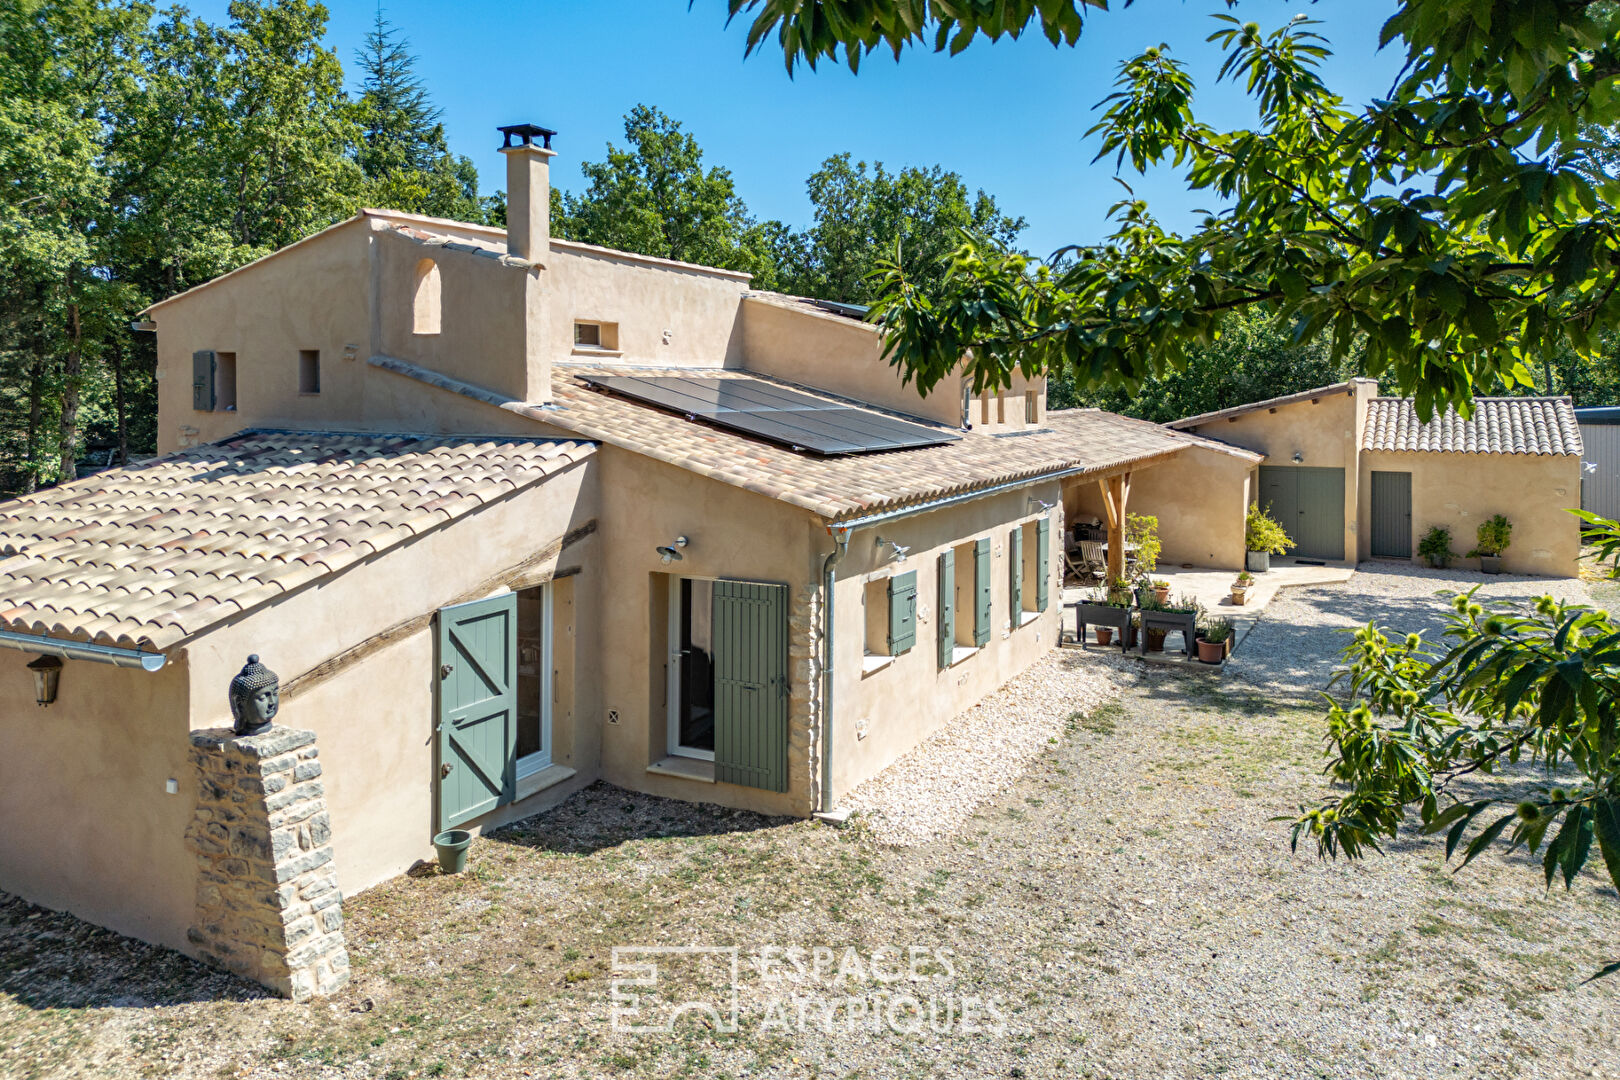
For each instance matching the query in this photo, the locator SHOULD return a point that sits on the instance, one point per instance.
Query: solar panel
(775, 413)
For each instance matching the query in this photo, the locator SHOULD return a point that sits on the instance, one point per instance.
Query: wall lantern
(900, 550)
(1299, 456)
(1041, 504)
(47, 675)
(672, 552)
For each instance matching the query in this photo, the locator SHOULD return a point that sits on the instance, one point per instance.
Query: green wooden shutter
(202, 380)
(902, 612)
(477, 680)
(981, 584)
(1043, 563)
(947, 607)
(751, 684)
(1015, 574)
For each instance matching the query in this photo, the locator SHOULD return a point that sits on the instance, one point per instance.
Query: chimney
(528, 191)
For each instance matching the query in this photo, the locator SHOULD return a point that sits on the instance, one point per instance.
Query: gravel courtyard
(1124, 906)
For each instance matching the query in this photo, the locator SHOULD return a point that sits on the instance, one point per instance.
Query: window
(225, 382)
(309, 371)
(891, 615)
(691, 663)
(1032, 408)
(1025, 558)
(964, 600)
(534, 677)
(596, 336)
(425, 298)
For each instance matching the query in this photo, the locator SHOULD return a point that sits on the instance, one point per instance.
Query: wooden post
(1116, 491)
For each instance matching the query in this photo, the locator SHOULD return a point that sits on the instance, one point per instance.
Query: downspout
(834, 557)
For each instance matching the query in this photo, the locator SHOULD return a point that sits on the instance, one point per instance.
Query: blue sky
(1009, 117)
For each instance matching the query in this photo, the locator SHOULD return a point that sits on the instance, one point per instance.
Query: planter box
(1089, 614)
(1184, 623)
(1258, 562)
(1490, 564)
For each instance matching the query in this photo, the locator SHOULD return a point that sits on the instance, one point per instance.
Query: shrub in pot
(1264, 537)
(1241, 587)
(1212, 641)
(1491, 539)
(1161, 591)
(1435, 547)
(1142, 541)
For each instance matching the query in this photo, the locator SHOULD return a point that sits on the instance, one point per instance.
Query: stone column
(268, 905)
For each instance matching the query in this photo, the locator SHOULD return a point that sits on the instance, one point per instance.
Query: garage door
(1309, 504)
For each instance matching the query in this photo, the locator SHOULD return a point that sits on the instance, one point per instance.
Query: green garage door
(1392, 515)
(1309, 504)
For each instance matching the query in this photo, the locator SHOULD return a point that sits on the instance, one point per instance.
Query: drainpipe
(834, 557)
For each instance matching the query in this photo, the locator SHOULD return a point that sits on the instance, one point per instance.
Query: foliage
(1603, 534)
(1119, 593)
(1492, 536)
(1539, 685)
(1143, 531)
(1450, 232)
(1217, 630)
(401, 147)
(863, 215)
(1261, 532)
(654, 196)
(1245, 578)
(1436, 546)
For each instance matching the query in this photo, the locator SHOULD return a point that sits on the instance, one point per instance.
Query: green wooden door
(1308, 502)
(751, 684)
(477, 745)
(1392, 515)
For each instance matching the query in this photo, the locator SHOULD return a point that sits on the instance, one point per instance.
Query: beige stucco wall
(1326, 434)
(732, 534)
(1462, 490)
(375, 719)
(882, 714)
(1200, 497)
(88, 825)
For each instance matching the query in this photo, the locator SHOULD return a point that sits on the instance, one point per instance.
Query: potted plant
(1435, 547)
(1214, 640)
(1241, 587)
(1107, 611)
(1491, 539)
(1161, 591)
(1264, 538)
(1154, 635)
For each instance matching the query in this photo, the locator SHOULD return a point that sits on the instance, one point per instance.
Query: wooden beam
(1105, 484)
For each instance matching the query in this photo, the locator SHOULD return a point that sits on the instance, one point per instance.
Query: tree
(654, 197)
(1452, 229)
(864, 215)
(402, 149)
(1540, 686)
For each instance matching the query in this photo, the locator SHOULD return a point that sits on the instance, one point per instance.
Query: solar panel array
(775, 413)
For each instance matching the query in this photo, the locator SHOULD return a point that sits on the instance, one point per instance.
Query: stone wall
(268, 905)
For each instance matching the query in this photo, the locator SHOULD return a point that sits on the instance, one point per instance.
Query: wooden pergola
(1116, 491)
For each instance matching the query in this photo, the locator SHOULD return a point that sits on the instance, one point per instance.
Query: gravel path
(1129, 903)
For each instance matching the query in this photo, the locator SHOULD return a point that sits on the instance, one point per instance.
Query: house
(1353, 476)
(507, 515)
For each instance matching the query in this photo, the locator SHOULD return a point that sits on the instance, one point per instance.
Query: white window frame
(672, 694)
(530, 764)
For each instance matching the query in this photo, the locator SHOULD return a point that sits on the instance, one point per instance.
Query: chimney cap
(527, 133)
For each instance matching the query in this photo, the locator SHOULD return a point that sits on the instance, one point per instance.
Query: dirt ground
(1128, 908)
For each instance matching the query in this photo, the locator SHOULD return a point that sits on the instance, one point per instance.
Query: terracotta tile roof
(835, 488)
(149, 555)
(1520, 425)
(1271, 403)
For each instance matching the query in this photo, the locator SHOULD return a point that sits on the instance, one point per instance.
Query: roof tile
(158, 552)
(1519, 425)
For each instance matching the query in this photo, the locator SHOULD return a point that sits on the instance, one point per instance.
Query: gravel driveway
(1127, 907)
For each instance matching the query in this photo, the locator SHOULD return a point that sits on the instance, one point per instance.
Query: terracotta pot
(1211, 652)
(1105, 635)
(1162, 594)
(1155, 640)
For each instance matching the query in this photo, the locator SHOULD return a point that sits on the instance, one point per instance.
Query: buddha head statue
(255, 697)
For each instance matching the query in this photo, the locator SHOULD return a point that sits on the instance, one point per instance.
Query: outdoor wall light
(1299, 456)
(47, 672)
(900, 550)
(1042, 503)
(672, 552)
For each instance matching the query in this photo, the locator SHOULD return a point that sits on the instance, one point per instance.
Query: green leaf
(1606, 822)
(1491, 832)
